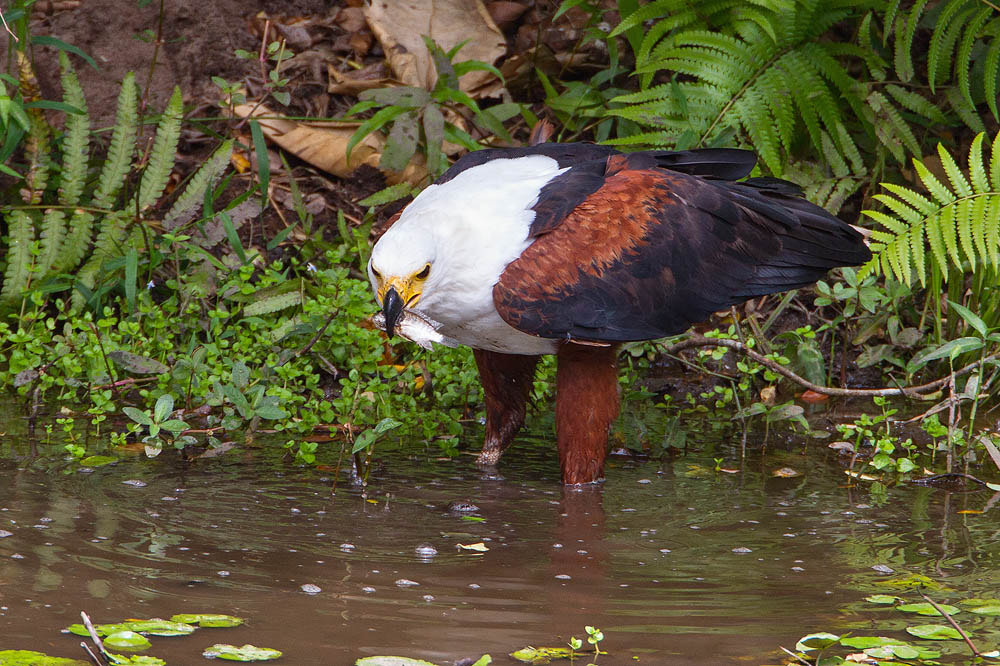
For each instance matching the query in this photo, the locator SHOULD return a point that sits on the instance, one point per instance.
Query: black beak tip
(392, 308)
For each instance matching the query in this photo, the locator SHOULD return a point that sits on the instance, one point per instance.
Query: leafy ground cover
(186, 304)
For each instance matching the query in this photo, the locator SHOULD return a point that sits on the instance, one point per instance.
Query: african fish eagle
(571, 249)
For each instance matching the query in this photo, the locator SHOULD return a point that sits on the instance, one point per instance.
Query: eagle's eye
(378, 276)
(422, 275)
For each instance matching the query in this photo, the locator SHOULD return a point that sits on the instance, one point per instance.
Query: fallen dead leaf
(767, 395)
(400, 27)
(811, 396)
(479, 547)
(786, 473)
(324, 144)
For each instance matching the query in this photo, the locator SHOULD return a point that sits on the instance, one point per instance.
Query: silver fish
(416, 328)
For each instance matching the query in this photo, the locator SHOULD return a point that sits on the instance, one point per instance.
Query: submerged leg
(587, 404)
(506, 382)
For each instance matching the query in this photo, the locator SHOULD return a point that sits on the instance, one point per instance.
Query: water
(677, 563)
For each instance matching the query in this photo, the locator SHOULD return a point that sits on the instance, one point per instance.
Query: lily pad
(127, 640)
(207, 619)
(818, 641)
(977, 601)
(154, 627)
(243, 653)
(934, 632)
(392, 661)
(924, 608)
(541, 655)
(133, 660)
(993, 609)
(882, 599)
(98, 461)
(32, 658)
(913, 581)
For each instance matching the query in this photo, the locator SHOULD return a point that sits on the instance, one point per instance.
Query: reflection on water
(676, 563)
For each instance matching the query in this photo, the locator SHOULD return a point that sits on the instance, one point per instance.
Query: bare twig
(965, 636)
(315, 338)
(918, 392)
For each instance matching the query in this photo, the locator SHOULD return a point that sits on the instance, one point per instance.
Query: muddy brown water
(675, 562)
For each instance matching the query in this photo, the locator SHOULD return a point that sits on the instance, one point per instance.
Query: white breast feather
(473, 225)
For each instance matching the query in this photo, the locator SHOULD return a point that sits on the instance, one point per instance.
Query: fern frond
(38, 143)
(904, 40)
(76, 141)
(113, 231)
(164, 153)
(959, 221)
(119, 158)
(194, 194)
(53, 232)
(76, 243)
(20, 238)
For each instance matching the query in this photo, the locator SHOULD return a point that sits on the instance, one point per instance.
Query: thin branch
(965, 636)
(918, 392)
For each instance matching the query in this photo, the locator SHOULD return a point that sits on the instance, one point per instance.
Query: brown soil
(199, 40)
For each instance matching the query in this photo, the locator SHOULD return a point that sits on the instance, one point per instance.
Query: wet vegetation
(161, 296)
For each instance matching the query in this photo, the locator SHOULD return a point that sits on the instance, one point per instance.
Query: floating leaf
(479, 547)
(897, 650)
(207, 619)
(243, 653)
(992, 609)
(542, 655)
(934, 632)
(98, 461)
(154, 627)
(928, 609)
(818, 641)
(32, 658)
(127, 640)
(912, 581)
(882, 599)
(134, 660)
(392, 661)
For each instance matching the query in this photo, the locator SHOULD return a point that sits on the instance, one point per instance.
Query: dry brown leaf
(324, 144)
(352, 82)
(400, 28)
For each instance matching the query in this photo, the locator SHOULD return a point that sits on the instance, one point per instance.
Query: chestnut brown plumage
(617, 247)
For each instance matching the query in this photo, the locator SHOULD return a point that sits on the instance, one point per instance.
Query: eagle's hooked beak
(392, 307)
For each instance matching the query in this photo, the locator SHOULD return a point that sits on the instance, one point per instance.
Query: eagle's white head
(448, 248)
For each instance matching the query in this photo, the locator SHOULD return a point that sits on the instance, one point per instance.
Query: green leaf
(394, 661)
(127, 640)
(924, 608)
(934, 632)
(207, 619)
(387, 195)
(163, 407)
(55, 42)
(97, 461)
(142, 418)
(882, 599)
(32, 658)
(136, 364)
(263, 164)
(817, 641)
(971, 318)
(243, 653)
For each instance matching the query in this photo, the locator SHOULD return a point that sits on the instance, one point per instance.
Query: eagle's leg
(507, 380)
(587, 404)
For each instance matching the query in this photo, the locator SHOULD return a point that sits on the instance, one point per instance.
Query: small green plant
(594, 638)
(416, 119)
(158, 420)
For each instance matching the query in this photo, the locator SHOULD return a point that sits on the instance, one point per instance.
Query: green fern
(766, 71)
(72, 179)
(17, 275)
(119, 158)
(964, 48)
(956, 225)
(65, 231)
(164, 153)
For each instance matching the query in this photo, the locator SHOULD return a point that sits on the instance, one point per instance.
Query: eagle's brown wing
(627, 250)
